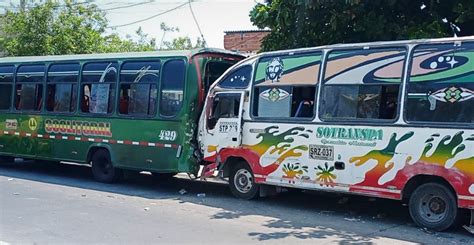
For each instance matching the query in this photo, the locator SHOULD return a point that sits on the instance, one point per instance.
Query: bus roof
(146, 54)
(374, 44)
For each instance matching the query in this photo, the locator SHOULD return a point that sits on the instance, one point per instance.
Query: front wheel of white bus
(434, 206)
(242, 182)
(103, 169)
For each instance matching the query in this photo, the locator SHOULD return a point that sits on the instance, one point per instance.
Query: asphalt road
(57, 204)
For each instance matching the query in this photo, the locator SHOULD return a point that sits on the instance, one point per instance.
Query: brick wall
(244, 41)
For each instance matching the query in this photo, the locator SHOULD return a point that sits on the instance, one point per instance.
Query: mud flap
(470, 227)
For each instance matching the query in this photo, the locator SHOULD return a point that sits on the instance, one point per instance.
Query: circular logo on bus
(32, 124)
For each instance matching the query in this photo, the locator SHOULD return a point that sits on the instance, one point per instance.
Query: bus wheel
(5, 159)
(433, 206)
(242, 182)
(103, 169)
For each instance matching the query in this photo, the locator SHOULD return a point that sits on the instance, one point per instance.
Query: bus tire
(242, 182)
(102, 168)
(6, 159)
(433, 206)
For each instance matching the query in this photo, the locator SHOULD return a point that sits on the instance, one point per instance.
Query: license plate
(321, 152)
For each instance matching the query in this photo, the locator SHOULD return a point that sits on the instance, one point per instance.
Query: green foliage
(184, 43)
(305, 23)
(179, 42)
(51, 28)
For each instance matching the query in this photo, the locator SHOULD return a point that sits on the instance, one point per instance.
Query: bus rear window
(213, 71)
(441, 84)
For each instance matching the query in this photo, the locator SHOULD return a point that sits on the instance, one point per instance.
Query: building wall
(244, 41)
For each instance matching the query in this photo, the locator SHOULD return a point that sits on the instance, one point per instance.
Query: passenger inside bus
(388, 106)
(85, 104)
(303, 101)
(123, 106)
(50, 98)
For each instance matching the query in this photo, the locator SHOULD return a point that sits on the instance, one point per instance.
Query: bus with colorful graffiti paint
(385, 119)
(135, 111)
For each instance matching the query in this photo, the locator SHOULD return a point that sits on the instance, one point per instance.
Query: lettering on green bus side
(73, 127)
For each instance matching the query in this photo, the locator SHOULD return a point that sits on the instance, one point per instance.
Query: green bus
(135, 111)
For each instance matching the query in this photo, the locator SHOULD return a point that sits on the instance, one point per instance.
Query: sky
(213, 16)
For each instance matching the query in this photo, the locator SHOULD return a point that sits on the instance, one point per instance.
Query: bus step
(470, 227)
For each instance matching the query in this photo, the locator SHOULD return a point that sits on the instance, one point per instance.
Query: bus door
(224, 121)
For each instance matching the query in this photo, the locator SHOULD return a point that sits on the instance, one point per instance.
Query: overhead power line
(24, 6)
(197, 24)
(128, 6)
(151, 17)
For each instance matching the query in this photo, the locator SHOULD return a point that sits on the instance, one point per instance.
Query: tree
(184, 43)
(165, 28)
(178, 42)
(51, 28)
(304, 23)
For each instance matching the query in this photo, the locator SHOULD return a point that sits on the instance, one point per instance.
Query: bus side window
(441, 85)
(362, 84)
(285, 86)
(223, 106)
(29, 87)
(6, 86)
(138, 88)
(62, 87)
(172, 87)
(98, 87)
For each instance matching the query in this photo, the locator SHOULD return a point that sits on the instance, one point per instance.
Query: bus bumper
(470, 227)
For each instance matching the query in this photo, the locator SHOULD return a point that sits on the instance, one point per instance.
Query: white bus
(384, 119)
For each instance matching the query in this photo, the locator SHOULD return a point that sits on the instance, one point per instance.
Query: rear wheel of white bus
(434, 206)
(102, 168)
(242, 182)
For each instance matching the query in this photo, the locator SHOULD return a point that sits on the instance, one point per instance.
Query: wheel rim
(243, 181)
(432, 208)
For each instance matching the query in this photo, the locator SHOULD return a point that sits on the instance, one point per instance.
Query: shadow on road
(299, 214)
